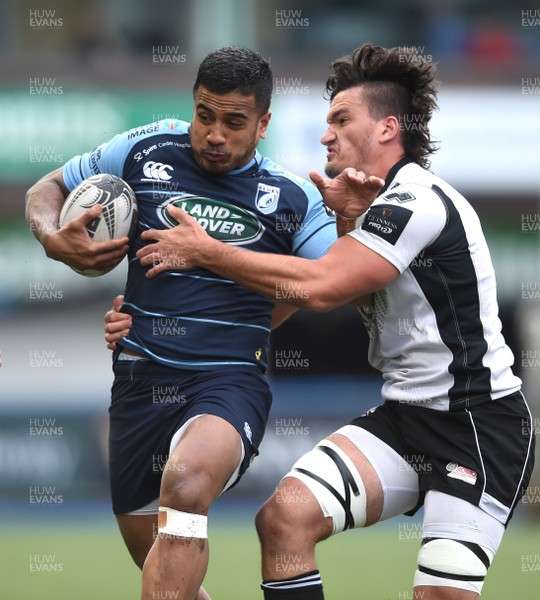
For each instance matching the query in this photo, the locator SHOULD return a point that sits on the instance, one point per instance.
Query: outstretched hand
(349, 194)
(174, 249)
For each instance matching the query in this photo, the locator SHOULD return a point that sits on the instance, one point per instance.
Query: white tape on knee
(182, 524)
(333, 479)
(451, 563)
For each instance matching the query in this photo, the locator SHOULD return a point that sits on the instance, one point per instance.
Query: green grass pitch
(61, 563)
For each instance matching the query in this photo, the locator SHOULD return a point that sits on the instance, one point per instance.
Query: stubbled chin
(331, 170)
(216, 167)
(213, 167)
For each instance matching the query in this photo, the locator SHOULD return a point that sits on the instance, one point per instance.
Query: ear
(263, 124)
(390, 128)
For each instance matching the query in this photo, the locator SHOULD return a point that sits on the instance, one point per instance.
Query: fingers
(117, 326)
(117, 321)
(156, 270)
(118, 302)
(172, 249)
(161, 258)
(359, 177)
(144, 252)
(112, 338)
(107, 259)
(78, 225)
(162, 253)
(318, 179)
(116, 330)
(92, 213)
(112, 245)
(152, 234)
(374, 182)
(149, 254)
(178, 214)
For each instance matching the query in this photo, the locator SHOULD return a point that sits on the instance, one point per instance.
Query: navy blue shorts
(149, 404)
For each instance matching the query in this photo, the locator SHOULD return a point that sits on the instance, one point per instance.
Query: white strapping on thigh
(398, 479)
(335, 483)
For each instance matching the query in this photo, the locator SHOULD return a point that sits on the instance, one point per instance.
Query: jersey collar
(255, 161)
(393, 172)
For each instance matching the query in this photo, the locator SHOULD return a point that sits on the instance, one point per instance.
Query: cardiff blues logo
(267, 198)
(221, 220)
(172, 124)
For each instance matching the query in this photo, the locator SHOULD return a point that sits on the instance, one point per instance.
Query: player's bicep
(55, 177)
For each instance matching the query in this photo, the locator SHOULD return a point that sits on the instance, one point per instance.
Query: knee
(273, 524)
(186, 489)
(291, 513)
(271, 520)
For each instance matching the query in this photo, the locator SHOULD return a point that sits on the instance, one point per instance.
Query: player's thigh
(356, 479)
(208, 453)
(390, 483)
(138, 532)
(372, 484)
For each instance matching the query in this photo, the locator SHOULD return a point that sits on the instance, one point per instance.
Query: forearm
(289, 279)
(44, 202)
(346, 272)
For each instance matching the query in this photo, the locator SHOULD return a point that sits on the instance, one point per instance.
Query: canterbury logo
(155, 170)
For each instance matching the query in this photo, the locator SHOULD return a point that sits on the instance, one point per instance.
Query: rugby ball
(119, 213)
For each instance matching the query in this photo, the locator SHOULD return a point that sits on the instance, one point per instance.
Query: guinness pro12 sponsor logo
(221, 220)
(387, 221)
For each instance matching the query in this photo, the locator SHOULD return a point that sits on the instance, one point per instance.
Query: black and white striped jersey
(435, 332)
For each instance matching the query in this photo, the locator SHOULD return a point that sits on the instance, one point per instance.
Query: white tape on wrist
(182, 524)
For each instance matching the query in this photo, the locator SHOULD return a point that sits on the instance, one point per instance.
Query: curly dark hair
(231, 69)
(395, 81)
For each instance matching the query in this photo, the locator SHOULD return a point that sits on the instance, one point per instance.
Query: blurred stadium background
(73, 75)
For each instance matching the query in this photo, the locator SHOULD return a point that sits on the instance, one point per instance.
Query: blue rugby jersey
(195, 319)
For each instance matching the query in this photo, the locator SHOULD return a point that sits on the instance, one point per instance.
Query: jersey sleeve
(318, 229)
(400, 231)
(109, 157)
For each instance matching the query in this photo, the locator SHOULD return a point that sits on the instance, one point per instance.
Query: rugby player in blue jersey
(190, 399)
(454, 432)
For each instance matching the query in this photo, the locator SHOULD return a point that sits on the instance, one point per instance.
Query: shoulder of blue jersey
(163, 126)
(279, 171)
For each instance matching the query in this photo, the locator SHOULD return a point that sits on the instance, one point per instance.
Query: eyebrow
(235, 115)
(333, 116)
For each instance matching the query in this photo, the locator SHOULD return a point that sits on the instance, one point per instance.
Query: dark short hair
(394, 81)
(232, 69)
